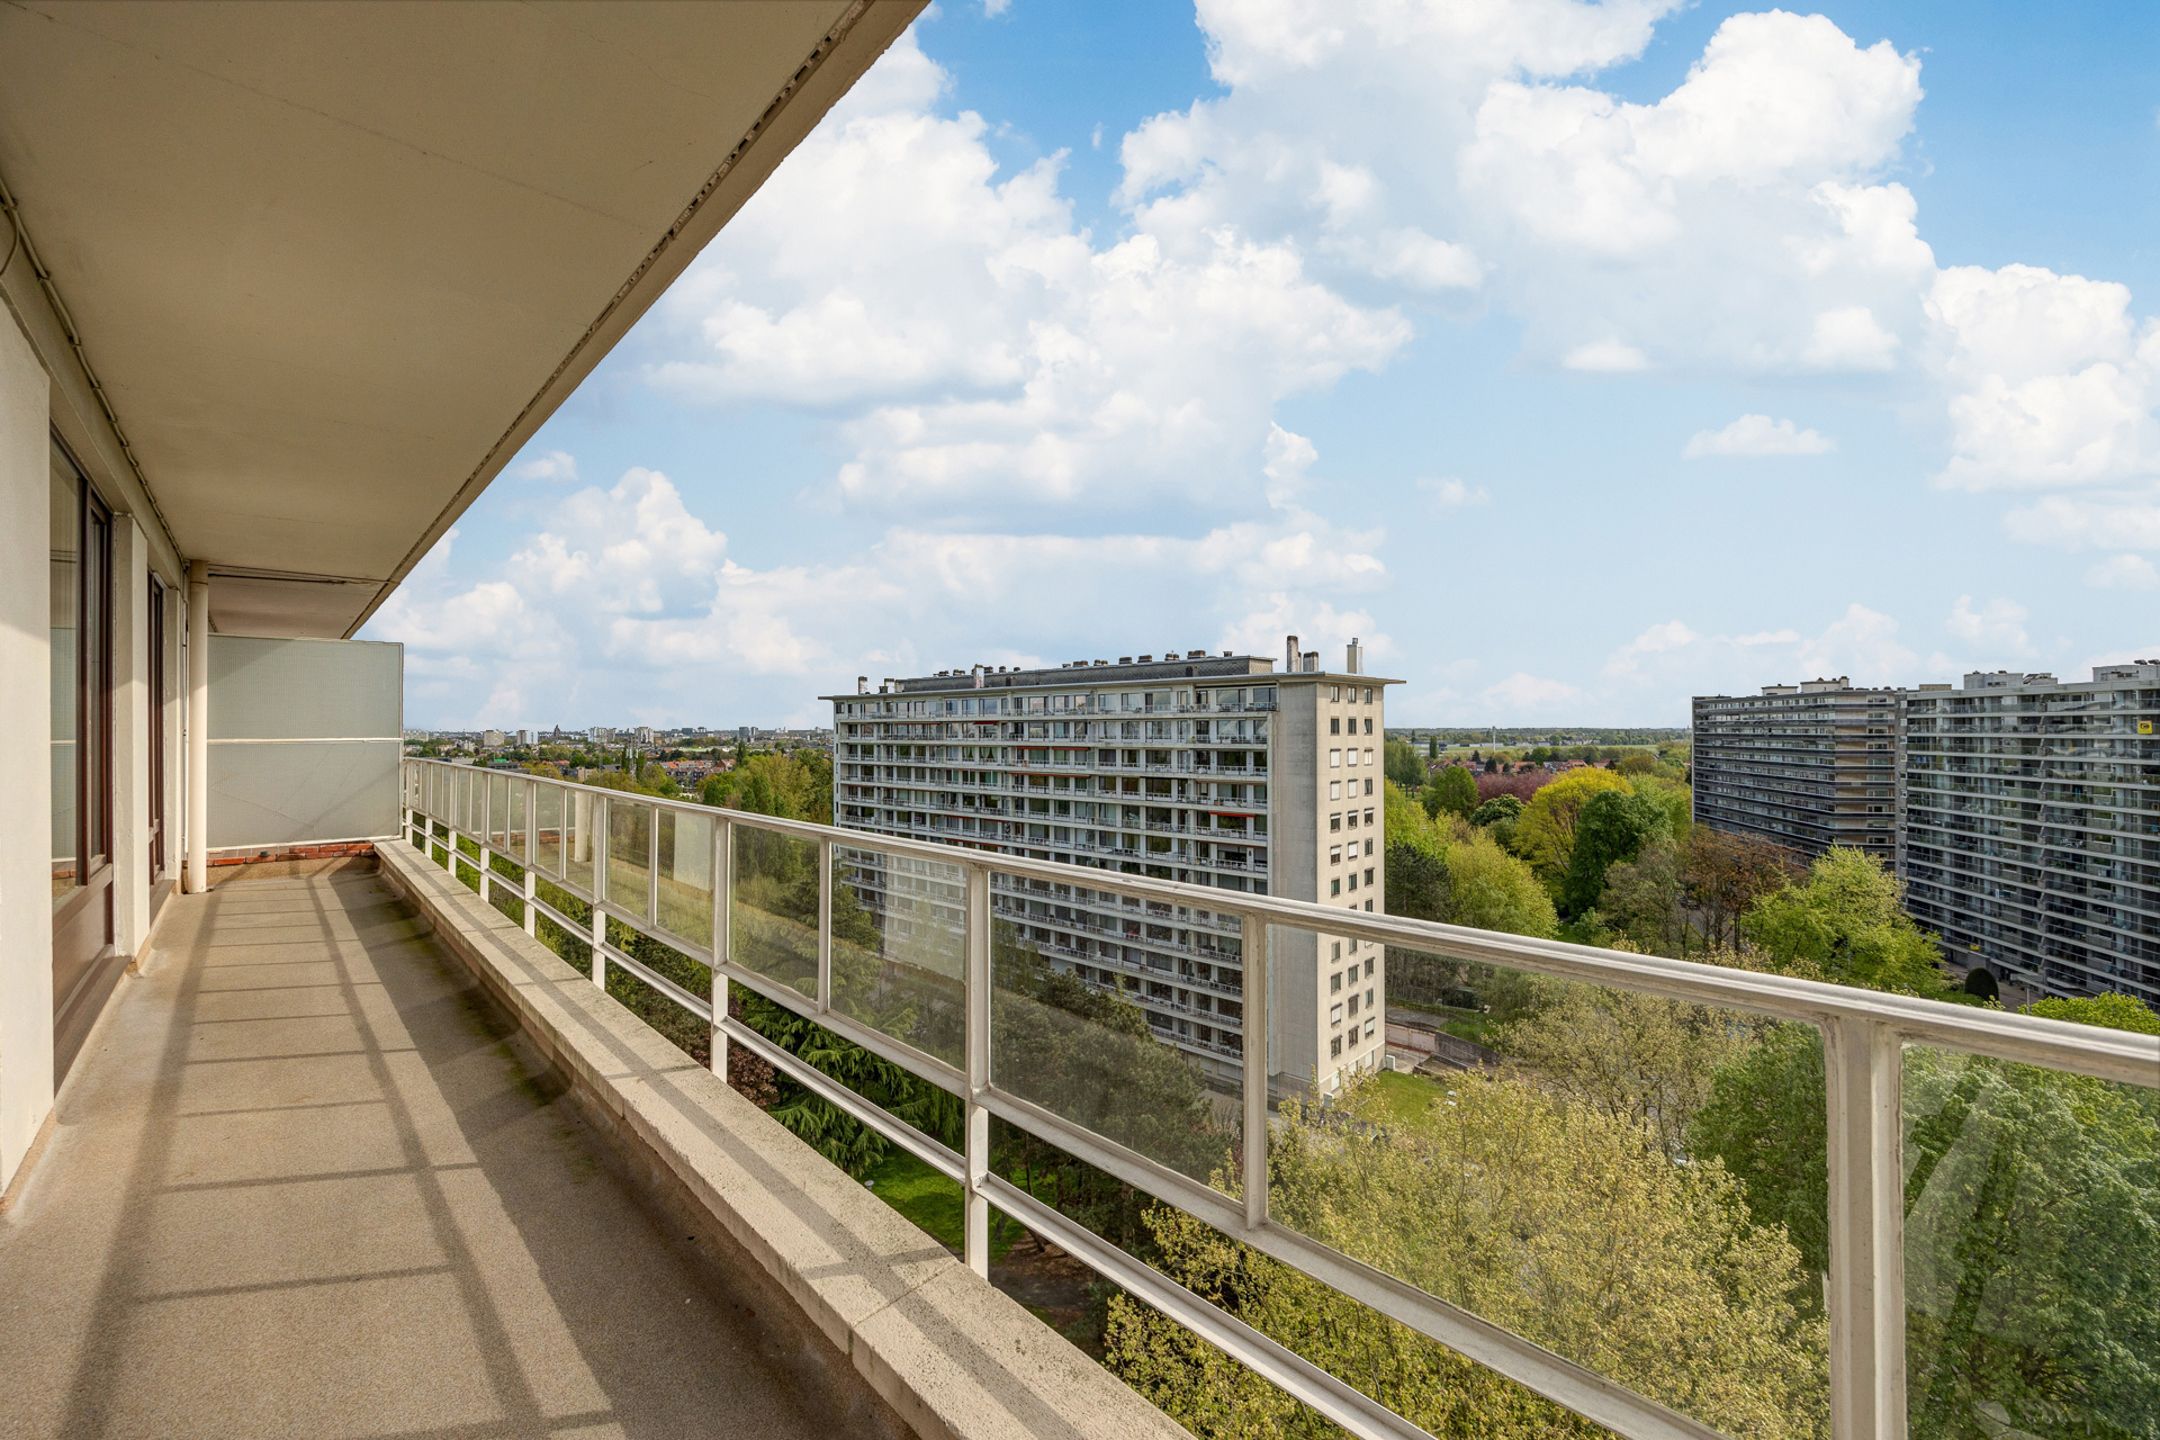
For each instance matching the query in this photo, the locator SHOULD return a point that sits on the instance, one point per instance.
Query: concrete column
(198, 727)
(130, 599)
(26, 1001)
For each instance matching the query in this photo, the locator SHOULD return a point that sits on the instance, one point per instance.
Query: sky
(1577, 357)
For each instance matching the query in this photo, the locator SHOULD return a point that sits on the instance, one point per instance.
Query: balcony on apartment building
(342, 1094)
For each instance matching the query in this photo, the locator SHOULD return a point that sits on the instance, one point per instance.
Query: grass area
(931, 1201)
(1466, 1025)
(1472, 1025)
(1402, 1097)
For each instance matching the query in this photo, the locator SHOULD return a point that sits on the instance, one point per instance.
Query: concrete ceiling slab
(334, 262)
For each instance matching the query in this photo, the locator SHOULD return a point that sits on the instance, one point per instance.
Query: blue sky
(1579, 357)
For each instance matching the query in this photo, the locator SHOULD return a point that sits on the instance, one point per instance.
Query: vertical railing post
(486, 836)
(532, 850)
(723, 912)
(1863, 1064)
(1253, 956)
(975, 1145)
(824, 924)
(599, 842)
(652, 868)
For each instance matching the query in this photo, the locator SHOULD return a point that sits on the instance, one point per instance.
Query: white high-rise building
(2030, 826)
(1215, 770)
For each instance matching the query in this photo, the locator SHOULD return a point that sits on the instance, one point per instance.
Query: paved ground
(305, 1183)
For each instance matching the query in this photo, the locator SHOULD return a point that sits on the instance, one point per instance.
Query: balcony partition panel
(1713, 1202)
(304, 742)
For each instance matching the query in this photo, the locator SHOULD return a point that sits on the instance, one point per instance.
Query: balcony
(343, 1095)
(307, 1133)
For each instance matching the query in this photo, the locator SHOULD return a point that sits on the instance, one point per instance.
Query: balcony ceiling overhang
(333, 264)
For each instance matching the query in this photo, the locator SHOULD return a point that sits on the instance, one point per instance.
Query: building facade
(2030, 826)
(1214, 770)
(1806, 766)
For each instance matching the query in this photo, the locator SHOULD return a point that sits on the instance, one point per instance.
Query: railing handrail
(2083, 1049)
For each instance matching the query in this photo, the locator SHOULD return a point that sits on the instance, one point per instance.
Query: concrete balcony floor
(308, 1181)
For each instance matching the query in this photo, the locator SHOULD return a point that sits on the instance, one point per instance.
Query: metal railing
(1864, 1034)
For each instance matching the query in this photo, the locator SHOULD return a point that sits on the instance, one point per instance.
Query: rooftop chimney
(862, 684)
(1289, 655)
(1312, 662)
(1354, 657)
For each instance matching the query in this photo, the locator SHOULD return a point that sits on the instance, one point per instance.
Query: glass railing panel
(548, 806)
(580, 814)
(686, 875)
(772, 927)
(629, 857)
(2032, 1250)
(1116, 1047)
(899, 949)
(513, 837)
(472, 800)
(1634, 1183)
(498, 810)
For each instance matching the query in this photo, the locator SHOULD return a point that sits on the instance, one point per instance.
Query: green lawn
(1402, 1097)
(931, 1201)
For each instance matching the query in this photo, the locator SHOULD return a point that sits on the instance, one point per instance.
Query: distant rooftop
(1126, 669)
(1169, 666)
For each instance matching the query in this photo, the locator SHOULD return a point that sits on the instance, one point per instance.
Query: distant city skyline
(1689, 349)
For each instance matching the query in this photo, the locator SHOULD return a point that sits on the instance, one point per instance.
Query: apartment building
(1218, 770)
(1807, 766)
(2030, 826)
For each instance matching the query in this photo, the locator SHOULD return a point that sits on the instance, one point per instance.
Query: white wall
(131, 731)
(26, 1055)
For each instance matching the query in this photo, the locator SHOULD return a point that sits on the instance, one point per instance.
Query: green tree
(2032, 1225)
(2032, 1251)
(1452, 790)
(1764, 1120)
(1847, 920)
(1639, 1058)
(1432, 747)
(795, 786)
(1613, 826)
(1492, 890)
(1545, 835)
(1642, 902)
(1403, 764)
(1417, 880)
(1563, 1224)
(1722, 875)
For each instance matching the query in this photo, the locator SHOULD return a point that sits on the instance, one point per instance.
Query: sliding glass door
(82, 869)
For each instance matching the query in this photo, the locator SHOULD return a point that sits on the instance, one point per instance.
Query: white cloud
(556, 465)
(985, 350)
(1997, 626)
(2124, 572)
(2052, 385)
(1449, 493)
(624, 597)
(1526, 696)
(2119, 520)
(1605, 357)
(994, 8)
(1674, 659)
(1757, 435)
(1849, 337)
(1661, 639)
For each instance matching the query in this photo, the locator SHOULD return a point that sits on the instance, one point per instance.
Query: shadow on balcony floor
(307, 1181)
